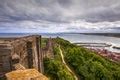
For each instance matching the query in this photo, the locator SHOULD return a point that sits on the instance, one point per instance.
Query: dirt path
(62, 56)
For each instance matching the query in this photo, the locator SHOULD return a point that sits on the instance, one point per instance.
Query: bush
(88, 64)
(55, 69)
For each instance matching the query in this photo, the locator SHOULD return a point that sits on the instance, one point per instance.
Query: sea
(75, 38)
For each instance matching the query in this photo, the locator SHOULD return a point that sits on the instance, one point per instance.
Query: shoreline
(92, 44)
(113, 56)
(117, 35)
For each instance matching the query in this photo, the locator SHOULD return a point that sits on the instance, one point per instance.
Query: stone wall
(48, 50)
(23, 50)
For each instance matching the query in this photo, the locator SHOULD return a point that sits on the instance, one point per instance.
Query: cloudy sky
(19, 16)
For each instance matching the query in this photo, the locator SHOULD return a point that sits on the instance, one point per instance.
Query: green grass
(55, 69)
(87, 64)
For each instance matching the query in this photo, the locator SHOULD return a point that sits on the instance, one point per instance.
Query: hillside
(54, 68)
(87, 64)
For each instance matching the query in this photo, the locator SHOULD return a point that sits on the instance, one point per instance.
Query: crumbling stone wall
(26, 51)
(48, 50)
(29, 51)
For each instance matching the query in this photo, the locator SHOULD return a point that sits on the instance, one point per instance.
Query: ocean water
(73, 38)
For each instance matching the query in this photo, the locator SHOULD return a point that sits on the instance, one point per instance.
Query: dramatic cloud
(59, 15)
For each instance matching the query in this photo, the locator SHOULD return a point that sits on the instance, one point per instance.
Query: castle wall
(25, 51)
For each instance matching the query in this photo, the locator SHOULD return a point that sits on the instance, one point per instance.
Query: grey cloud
(30, 10)
(60, 10)
(105, 14)
(43, 14)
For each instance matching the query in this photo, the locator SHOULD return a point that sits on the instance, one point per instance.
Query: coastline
(99, 48)
(104, 34)
(76, 38)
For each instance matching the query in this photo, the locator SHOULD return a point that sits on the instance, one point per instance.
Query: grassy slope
(87, 64)
(54, 68)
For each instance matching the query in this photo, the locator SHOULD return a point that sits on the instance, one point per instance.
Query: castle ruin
(16, 53)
